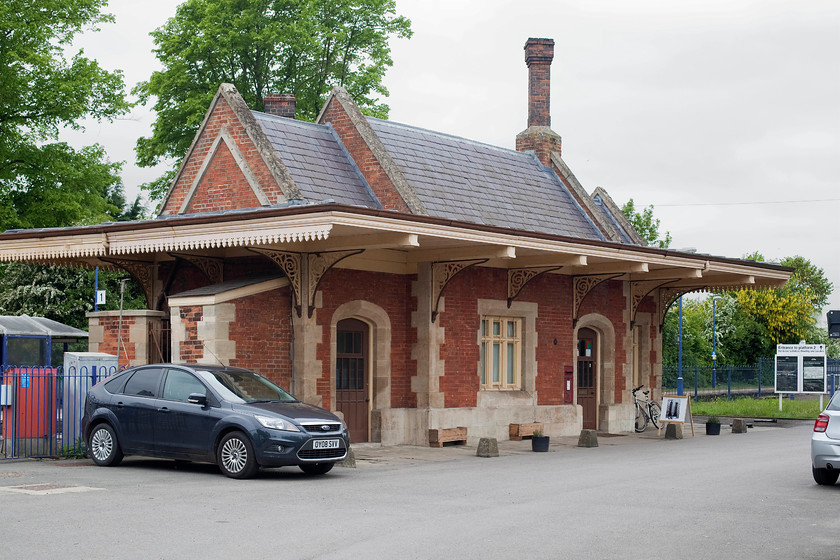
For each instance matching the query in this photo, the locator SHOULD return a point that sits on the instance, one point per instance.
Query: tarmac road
(635, 496)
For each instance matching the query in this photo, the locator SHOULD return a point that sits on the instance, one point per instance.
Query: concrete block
(487, 447)
(739, 426)
(673, 431)
(349, 461)
(588, 438)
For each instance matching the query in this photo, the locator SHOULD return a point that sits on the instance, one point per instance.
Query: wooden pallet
(447, 435)
(518, 432)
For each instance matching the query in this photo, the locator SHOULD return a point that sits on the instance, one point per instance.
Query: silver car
(825, 444)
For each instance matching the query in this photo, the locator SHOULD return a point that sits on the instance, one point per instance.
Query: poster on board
(674, 409)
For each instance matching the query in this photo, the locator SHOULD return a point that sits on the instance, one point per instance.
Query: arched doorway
(351, 376)
(587, 379)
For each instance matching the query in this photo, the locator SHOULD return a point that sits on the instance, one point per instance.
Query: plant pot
(540, 443)
(712, 429)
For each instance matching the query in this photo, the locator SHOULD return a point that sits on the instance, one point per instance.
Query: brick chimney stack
(538, 56)
(539, 137)
(281, 105)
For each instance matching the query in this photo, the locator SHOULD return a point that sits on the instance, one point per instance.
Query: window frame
(510, 367)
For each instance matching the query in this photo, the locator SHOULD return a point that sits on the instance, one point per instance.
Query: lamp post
(714, 344)
(679, 367)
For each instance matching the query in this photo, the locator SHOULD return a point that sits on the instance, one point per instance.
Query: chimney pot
(281, 105)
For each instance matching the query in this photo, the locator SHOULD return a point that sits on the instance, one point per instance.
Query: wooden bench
(458, 436)
(518, 432)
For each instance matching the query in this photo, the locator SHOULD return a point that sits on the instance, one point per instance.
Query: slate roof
(607, 214)
(317, 161)
(464, 180)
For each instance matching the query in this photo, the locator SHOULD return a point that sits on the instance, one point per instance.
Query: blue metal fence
(41, 409)
(757, 380)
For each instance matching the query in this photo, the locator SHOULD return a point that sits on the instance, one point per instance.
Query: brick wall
(191, 349)
(392, 293)
(262, 331)
(117, 341)
(373, 172)
(222, 172)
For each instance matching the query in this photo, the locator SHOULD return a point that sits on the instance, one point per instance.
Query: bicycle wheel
(655, 412)
(641, 419)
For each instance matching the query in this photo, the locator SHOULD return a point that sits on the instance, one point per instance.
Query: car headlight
(276, 424)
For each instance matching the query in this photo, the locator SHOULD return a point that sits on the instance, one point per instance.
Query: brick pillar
(282, 105)
(538, 137)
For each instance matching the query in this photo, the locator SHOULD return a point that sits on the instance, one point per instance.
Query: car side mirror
(197, 398)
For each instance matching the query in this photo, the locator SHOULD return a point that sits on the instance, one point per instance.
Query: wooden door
(351, 379)
(587, 378)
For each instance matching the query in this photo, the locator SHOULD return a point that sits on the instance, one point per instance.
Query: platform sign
(800, 368)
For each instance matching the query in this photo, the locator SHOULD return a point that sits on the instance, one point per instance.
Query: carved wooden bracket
(305, 272)
(442, 273)
(585, 284)
(290, 263)
(144, 272)
(667, 297)
(639, 290)
(319, 264)
(212, 267)
(518, 278)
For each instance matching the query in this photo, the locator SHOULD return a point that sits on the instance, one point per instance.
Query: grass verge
(745, 407)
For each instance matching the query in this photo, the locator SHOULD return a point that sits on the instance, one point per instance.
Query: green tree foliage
(646, 225)
(301, 47)
(43, 182)
(62, 294)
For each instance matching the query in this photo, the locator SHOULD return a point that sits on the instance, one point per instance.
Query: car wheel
(316, 468)
(103, 446)
(825, 477)
(235, 456)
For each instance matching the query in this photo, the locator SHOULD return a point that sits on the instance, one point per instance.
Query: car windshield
(243, 386)
(834, 404)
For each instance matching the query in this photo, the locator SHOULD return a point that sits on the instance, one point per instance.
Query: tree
(646, 225)
(301, 47)
(42, 183)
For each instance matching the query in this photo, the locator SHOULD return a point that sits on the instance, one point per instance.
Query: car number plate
(325, 444)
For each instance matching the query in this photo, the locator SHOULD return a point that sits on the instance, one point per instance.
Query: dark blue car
(229, 416)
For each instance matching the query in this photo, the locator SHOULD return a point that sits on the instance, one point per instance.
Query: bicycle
(646, 411)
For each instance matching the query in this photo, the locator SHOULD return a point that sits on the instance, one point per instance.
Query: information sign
(800, 368)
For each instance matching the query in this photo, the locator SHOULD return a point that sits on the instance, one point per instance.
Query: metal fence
(730, 381)
(41, 409)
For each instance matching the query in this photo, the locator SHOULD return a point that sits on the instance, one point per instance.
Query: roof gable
(228, 121)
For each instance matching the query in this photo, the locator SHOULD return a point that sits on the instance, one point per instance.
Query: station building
(410, 280)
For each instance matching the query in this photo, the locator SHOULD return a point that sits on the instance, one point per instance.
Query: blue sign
(24, 381)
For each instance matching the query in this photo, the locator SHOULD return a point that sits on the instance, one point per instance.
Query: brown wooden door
(351, 386)
(586, 378)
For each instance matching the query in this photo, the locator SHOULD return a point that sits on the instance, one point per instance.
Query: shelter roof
(24, 325)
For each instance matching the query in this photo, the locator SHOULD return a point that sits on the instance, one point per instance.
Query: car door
(136, 408)
(182, 428)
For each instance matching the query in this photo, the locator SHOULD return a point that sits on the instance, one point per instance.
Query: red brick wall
(392, 293)
(239, 194)
(262, 331)
(124, 349)
(223, 186)
(382, 186)
(191, 349)
(554, 296)
(608, 299)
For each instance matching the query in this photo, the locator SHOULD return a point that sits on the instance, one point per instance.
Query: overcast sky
(722, 114)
